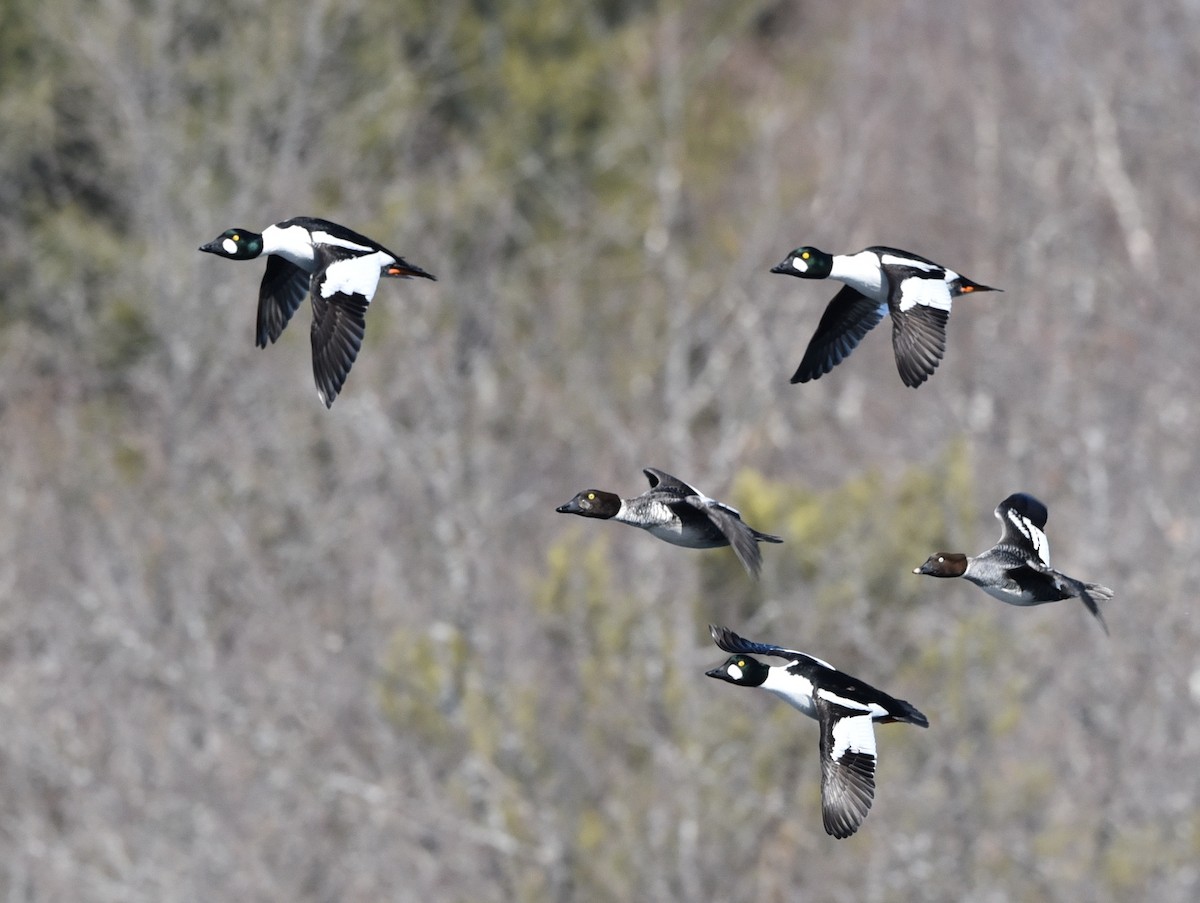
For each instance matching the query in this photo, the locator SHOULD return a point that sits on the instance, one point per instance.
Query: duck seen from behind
(846, 708)
(676, 513)
(879, 280)
(1017, 569)
(338, 267)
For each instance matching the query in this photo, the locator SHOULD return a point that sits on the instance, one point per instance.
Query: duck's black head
(592, 503)
(944, 564)
(743, 670)
(807, 263)
(236, 244)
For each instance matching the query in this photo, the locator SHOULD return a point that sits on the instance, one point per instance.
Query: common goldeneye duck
(845, 707)
(673, 511)
(304, 255)
(915, 291)
(1017, 569)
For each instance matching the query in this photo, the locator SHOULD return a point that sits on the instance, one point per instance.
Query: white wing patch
(867, 708)
(356, 276)
(1037, 539)
(855, 735)
(927, 292)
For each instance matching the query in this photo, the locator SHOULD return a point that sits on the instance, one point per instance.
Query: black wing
(282, 290)
(660, 479)
(339, 317)
(847, 767)
(847, 318)
(919, 341)
(734, 529)
(1026, 506)
(729, 641)
(339, 323)
(1023, 518)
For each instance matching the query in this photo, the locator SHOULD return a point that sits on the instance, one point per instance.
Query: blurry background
(251, 649)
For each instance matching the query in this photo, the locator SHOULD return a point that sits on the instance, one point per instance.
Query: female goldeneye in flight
(1017, 569)
(341, 269)
(674, 511)
(845, 707)
(915, 291)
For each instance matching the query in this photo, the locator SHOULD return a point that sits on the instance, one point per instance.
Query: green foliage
(857, 543)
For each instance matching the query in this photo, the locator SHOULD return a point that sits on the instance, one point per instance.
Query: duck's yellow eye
(804, 256)
(591, 496)
(741, 663)
(236, 237)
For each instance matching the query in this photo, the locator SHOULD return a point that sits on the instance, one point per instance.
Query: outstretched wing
(847, 766)
(337, 333)
(729, 641)
(660, 479)
(1023, 518)
(734, 529)
(280, 293)
(919, 341)
(342, 288)
(847, 318)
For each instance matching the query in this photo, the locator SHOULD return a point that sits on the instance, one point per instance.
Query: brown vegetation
(251, 649)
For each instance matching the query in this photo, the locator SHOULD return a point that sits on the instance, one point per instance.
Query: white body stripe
(912, 263)
(861, 272)
(867, 708)
(324, 238)
(355, 276)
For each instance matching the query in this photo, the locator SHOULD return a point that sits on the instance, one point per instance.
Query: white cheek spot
(735, 672)
(230, 246)
(799, 265)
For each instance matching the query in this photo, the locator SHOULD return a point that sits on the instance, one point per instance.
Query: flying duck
(337, 266)
(1017, 569)
(845, 707)
(917, 293)
(675, 512)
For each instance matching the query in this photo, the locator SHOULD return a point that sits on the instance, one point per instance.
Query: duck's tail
(907, 712)
(1091, 594)
(964, 286)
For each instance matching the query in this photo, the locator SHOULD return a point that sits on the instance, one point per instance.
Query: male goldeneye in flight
(915, 291)
(338, 266)
(845, 707)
